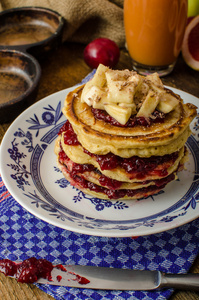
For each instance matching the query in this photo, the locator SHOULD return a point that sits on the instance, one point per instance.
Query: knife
(92, 277)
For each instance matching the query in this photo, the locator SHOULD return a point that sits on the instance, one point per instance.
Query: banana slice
(93, 96)
(121, 114)
(124, 92)
(167, 102)
(129, 105)
(155, 79)
(99, 79)
(120, 88)
(148, 105)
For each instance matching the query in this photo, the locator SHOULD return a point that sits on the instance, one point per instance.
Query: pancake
(124, 135)
(89, 179)
(89, 183)
(98, 194)
(100, 137)
(164, 168)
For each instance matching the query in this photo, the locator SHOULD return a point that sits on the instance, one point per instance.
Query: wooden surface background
(64, 68)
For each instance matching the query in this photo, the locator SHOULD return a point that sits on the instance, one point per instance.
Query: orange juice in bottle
(154, 33)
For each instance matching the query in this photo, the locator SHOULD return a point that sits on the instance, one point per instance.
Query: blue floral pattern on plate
(30, 173)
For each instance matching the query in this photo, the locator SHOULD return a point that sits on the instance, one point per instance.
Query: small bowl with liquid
(26, 34)
(19, 80)
(34, 30)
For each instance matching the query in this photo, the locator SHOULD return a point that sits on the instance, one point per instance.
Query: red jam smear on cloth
(137, 167)
(31, 269)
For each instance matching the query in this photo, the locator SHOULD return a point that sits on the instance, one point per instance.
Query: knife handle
(180, 281)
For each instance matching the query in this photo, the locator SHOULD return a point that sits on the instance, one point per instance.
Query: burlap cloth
(85, 19)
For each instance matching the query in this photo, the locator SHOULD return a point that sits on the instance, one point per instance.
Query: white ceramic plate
(29, 171)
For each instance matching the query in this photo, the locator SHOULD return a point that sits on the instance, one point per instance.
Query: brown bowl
(19, 79)
(35, 30)
(25, 33)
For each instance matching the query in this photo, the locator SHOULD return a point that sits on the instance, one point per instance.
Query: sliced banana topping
(125, 93)
(121, 86)
(167, 102)
(119, 113)
(149, 105)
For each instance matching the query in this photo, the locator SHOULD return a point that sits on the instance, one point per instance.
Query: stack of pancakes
(109, 160)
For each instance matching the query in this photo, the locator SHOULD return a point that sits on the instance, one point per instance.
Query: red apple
(101, 51)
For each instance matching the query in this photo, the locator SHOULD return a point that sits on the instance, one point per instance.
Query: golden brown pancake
(108, 188)
(101, 138)
(99, 191)
(77, 155)
(120, 161)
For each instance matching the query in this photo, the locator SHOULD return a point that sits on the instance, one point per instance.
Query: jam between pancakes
(112, 190)
(156, 117)
(137, 167)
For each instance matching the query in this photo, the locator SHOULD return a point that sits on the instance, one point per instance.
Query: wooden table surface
(64, 68)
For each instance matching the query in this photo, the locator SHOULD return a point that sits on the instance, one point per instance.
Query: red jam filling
(75, 169)
(80, 182)
(70, 137)
(135, 166)
(133, 121)
(112, 186)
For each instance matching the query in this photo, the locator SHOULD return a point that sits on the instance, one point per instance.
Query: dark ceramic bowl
(25, 33)
(19, 78)
(35, 30)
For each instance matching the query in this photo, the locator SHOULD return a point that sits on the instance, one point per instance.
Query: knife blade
(92, 277)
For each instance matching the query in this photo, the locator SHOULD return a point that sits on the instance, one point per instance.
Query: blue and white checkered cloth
(23, 235)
